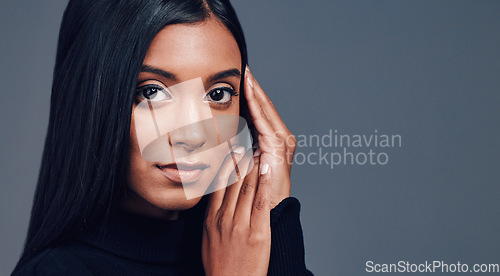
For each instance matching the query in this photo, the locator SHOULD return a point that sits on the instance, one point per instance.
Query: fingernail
(257, 152)
(249, 81)
(247, 68)
(265, 169)
(240, 150)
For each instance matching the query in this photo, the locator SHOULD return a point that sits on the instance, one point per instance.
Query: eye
(220, 95)
(153, 93)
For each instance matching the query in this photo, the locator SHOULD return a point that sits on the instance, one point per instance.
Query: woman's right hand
(237, 231)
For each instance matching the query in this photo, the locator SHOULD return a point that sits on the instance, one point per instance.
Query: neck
(134, 203)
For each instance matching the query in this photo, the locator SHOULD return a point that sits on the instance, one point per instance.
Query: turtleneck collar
(148, 239)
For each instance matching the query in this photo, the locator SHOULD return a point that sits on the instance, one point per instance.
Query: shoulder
(60, 260)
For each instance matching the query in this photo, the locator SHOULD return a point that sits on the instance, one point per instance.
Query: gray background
(426, 70)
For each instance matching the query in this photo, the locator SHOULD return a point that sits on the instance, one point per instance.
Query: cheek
(234, 109)
(237, 105)
(134, 149)
(136, 163)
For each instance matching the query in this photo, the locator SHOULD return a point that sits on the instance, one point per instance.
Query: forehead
(194, 50)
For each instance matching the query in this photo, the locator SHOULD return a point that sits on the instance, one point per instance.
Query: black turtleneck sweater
(132, 244)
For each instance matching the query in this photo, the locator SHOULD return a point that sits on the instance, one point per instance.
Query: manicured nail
(249, 81)
(265, 169)
(240, 150)
(247, 68)
(257, 152)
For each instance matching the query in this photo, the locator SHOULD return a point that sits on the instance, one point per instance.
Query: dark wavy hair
(101, 47)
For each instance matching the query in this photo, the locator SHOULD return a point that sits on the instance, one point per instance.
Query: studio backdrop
(394, 105)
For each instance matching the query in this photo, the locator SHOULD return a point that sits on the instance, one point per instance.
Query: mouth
(182, 172)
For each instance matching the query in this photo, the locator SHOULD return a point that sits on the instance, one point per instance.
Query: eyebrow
(215, 77)
(157, 71)
(224, 74)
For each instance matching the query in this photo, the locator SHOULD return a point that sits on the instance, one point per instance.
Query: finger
(281, 136)
(258, 117)
(266, 105)
(232, 191)
(222, 177)
(246, 194)
(261, 213)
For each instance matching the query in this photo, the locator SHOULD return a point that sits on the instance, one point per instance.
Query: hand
(237, 231)
(276, 142)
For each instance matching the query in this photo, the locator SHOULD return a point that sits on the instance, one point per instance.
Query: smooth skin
(237, 232)
(276, 142)
(186, 52)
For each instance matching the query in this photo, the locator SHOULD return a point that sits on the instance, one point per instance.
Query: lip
(182, 172)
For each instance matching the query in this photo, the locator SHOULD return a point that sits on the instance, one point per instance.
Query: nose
(189, 137)
(190, 133)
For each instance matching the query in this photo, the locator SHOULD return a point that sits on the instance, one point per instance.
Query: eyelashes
(152, 93)
(219, 97)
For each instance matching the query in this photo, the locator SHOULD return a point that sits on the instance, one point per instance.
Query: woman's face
(190, 75)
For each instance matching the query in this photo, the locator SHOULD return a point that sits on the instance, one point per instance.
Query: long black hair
(101, 47)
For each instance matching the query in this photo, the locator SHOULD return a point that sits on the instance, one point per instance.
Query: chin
(171, 199)
(159, 203)
(177, 204)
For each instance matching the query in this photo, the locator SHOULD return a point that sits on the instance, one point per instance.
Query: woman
(105, 206)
